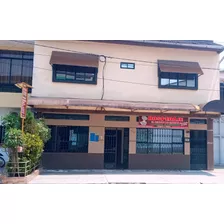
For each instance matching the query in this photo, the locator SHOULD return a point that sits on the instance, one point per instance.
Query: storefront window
(159, 141)
(68, 139)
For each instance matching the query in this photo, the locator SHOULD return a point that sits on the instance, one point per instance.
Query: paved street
(129, 177)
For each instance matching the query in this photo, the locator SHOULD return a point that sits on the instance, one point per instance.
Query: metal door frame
(206, 149)
(122, 147)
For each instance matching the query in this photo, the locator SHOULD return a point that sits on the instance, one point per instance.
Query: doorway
(116, 148)
(198, 148)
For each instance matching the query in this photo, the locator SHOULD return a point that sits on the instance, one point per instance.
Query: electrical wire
(111, 57)
(105, 61)
(108, 79)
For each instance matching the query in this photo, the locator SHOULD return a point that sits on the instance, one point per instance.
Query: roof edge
(153, 43)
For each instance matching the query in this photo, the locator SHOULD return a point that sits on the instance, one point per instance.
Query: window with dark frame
(66, 116)
(117, 118)
(221, 91)
(75, 74)
(2, 134)
(127, 65)
(178, 80)
(74, 139)
(198, 121)
(159, 141)
(15, 67)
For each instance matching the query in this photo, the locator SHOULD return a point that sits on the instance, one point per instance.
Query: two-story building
(127, 104)
(16, 65)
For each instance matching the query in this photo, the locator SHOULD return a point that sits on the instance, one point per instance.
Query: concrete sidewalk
(129, 177)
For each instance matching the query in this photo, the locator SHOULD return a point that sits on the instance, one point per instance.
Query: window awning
(75, 59)
(180, 67)
(214, 106)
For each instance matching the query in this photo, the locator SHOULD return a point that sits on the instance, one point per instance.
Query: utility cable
(111, 57)
(113, 80)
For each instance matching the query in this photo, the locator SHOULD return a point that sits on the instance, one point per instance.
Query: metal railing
(21, 169)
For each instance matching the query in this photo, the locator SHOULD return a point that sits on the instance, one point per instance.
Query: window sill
(153, 153)
(77, 82)
(11, 88)
(67, 152)
(178, 88)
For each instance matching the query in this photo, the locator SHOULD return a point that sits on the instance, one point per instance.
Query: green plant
(36, 133)
(30, 125)
(33, 147)
(13, 138)
(43, 130)
(11, 120)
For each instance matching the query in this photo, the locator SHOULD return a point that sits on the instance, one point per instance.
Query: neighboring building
(16, 65)
(219, 129)
(127, 104)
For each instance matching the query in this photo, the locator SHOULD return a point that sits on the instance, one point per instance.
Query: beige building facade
(127, 104)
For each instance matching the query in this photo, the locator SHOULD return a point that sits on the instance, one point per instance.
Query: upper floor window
(127, 65)
(15, 67)
(221, 91)
(178, 81)
(74, 74)
(178, 74)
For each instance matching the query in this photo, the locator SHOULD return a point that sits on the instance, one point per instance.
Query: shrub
(33, 147)
(11, 120)
(36, 133)
(13, 138)
(43, 130)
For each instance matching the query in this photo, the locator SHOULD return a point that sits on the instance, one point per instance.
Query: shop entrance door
(116, 148)
(198, 147)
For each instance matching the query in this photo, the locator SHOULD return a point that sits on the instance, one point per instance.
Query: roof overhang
(157, 43)
(214, 106)
(115, 106)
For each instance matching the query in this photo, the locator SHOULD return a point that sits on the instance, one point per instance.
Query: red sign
(24, 102)
(163, 122)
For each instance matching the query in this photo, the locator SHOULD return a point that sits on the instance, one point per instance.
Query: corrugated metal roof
(37, 101)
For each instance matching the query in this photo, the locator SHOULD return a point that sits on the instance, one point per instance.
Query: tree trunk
(13, 159)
